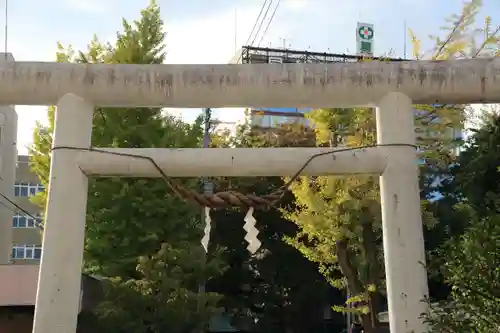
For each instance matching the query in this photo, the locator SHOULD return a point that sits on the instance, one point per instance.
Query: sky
(209, 32)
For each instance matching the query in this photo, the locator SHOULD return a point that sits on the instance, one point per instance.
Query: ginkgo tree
(339, 217)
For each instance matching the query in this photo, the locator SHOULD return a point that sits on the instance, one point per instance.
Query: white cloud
(39, 49)
(92, 6)
(27, 118)
(197, 40)
(296, 5)
(88, 6)
(211, 39)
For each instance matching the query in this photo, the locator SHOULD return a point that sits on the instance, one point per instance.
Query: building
(20, 238)
(26, 232)
(8, 156)
(268, 118)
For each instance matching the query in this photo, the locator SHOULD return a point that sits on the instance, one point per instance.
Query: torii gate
(392, 87)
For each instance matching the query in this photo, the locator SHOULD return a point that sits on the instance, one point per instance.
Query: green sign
(365, 47)
(364, 39)
(365, 32)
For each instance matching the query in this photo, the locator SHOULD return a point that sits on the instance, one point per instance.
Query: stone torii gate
(392, 87)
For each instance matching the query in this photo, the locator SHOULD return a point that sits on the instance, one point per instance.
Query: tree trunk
(369, 325)
(374, 269)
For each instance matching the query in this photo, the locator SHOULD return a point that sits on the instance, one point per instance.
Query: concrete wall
(18, 287)
(18, 284)
(8, 153)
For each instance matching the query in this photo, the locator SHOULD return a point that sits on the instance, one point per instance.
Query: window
(21, 221)
(27, 189)
(38, 252)
(26, 252)
(261, 121)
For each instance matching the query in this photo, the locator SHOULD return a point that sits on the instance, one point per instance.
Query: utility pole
(208, 188)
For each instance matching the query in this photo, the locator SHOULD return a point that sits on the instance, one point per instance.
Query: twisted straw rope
(230, 198)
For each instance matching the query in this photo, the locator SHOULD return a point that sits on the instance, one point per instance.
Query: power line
(20, 209)
(404, 40)
(269, 23)
(254, 26)
(261, 22)
(6, 27)
(233, 198)
(8, 207)
(36, 222)
(256, 22)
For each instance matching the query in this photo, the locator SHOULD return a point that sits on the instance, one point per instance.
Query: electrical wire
(8, 207)
(261, 23)
(6, 29)
(269, 23)
(37, 220)
(257, 21)
(255, 25)
(232, 198)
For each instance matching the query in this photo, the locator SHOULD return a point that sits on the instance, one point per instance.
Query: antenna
(404, 40)
(235, 29)
(283, 39)
(6, 27)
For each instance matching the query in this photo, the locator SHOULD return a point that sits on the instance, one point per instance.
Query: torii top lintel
(256, 85)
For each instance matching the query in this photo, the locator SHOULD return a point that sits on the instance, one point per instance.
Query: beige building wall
(8, 154)
(26, 235)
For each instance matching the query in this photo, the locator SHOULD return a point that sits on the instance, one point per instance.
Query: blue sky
(201, 31)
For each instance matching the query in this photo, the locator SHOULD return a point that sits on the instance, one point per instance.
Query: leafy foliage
(164, 298)
(462, 39)
(470, 262)
(138, 233)
(473, 177)
(339, 217)
(277, 289)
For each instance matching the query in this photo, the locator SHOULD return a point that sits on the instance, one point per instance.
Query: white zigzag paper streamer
(206, 236)
(252, 232)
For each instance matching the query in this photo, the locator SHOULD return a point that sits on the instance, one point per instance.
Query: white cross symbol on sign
(365, 32)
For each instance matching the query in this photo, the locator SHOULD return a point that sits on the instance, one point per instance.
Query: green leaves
(469, 262)
(138, 233)
(164, 297)
(470, 266)
(339, 217)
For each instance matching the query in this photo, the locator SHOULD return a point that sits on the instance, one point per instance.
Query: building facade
(8, 156)
(269, 118)
(26, 232)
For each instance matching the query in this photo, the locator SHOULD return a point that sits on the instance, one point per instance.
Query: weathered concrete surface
(257, 85)
(232, 162)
